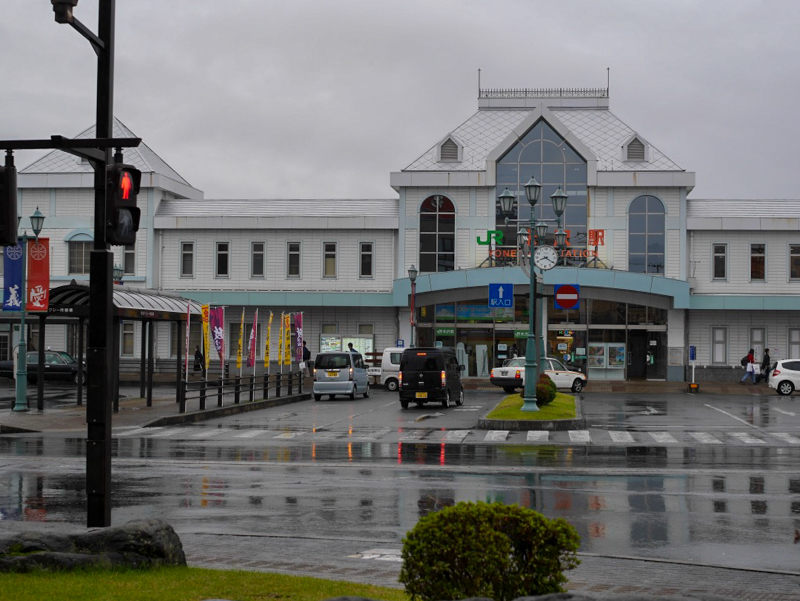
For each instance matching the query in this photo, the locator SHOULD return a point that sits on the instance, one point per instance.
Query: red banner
(37, 290)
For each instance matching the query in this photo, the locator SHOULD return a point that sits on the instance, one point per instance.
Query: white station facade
(649, 282)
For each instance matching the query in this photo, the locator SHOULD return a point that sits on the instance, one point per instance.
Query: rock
(137, 544)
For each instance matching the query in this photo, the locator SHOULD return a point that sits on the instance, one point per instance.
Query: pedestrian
(766, 364)
(514, 352)
(199, 363)
(750, 367)
(350, 348)
(307, 358)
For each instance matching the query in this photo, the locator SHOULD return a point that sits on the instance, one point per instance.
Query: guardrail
(253, 388)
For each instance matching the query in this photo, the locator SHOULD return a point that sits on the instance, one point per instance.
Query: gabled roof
(599, 129)
(142, 157)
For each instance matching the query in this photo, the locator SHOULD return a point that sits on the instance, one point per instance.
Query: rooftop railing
(544, 93)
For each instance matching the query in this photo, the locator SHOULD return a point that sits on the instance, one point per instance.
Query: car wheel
(509, 389)
(446, 401)
(404, 404)
(353, 394)
(317, 397)
(391, 385)
(577, 385)
(366, 392)
(460, 399)
(75, 378)
(785, 388)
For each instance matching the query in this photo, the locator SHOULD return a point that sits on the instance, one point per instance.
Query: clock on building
(545, 257)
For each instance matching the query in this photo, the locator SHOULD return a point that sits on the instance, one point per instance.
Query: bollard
(278, 384)
(237, 389)
(252, 388)
(219, 392)
(203, 385)
(182, 397)
(290, 385)
(266, 387)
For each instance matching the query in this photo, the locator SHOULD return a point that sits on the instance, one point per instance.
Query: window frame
(647, 234)
(714, 360)
(289, 254)
(123, 334)
(86, 246)
(792, 278)
(714, 254)
(263, 252)
(439, 234)
(754, 257)
(325, 257)
(218, 254)
(792, 342)
(129, 252)
(183, 244)
(361, 255)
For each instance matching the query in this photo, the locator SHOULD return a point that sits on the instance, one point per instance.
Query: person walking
(350, 348)
(307, 358)
(750, 367)
(199, 363)
(766, 364)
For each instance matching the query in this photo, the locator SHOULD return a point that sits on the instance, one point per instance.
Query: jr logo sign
(492, 235)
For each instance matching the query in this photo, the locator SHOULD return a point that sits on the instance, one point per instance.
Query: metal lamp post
(118, 273)
(21, 400)
(412, 275)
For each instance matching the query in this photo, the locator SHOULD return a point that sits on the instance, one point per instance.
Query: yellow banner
(239, 350)
(268, 336)
(206, 340)
(287, 343)
(280, 342)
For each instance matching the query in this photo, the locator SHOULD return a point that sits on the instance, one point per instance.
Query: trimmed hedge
(545, 390)
(487, 550)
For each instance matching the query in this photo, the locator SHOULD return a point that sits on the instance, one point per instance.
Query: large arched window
(437, 234)
(646, 235)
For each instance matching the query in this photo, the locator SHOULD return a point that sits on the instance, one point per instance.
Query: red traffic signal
(122, 214)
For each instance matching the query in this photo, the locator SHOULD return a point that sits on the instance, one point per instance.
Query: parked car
(387, 373)
(340, 373)
(430, 375)
(784, 376)
(58, 365)
(512, 375)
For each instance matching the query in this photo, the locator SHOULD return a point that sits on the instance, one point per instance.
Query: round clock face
(545, 257)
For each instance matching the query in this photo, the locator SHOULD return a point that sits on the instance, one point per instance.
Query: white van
(387, 373)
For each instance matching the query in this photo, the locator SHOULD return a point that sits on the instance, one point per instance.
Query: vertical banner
(287, 343)
(267, 335)
(239, 350)
(38, 288)
(298, 326)
(204, 309)
(251, 344)
(280, 343)
(188, 327)
(12, 278)
(216, 325)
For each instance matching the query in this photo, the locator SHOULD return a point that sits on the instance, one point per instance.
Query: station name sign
(494, 239)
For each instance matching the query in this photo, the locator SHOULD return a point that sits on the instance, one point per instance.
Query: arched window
(437, 234)
(646, 243)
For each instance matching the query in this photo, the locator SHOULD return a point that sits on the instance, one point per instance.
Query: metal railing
(237, 389)
(544, 93)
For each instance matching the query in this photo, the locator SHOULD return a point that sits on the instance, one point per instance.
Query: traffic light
(8, 202)
(122, 214)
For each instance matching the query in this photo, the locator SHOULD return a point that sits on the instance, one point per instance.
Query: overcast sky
(323, 99)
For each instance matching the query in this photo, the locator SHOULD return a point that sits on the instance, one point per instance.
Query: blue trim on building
(290, 299)
(745, 303)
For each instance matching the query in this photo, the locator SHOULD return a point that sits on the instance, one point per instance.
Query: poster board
(330, 343)
(362, 344)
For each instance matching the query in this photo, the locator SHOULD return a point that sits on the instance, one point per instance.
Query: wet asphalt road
(717, 484)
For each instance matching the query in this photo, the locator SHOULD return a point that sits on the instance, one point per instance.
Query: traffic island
(538, 420)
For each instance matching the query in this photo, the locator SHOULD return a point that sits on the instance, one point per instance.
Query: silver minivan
(340, 373)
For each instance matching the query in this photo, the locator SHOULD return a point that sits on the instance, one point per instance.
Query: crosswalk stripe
(496, 435)
(705, 438)
(620, 436)
(786, 437)
(208, 433)
(662, 437)
(288, 435)
(249, 434)
(538, 435)
(747, 438)
(170, 432)
(138, 431)
(579, 436)
(413, 435)
(456, 435)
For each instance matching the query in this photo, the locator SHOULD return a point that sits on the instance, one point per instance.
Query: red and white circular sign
(566, 296)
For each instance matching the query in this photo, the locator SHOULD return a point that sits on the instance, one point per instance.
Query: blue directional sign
(501, 295)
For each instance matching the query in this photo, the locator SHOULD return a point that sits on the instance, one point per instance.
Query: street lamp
(412, 275)
(118, 272)
(21, 401)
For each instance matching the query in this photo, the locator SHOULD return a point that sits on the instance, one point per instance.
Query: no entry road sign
(567, 296)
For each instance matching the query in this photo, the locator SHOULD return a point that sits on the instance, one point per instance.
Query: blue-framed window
(646, 235)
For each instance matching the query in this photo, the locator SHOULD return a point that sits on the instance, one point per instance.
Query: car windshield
(67, 358)
(332, 361)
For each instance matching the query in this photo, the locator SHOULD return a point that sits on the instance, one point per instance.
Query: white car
(512, 375)
(785, 376)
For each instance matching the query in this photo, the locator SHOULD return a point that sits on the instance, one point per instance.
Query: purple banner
(216, 321)
(12, 278)
(298, 326)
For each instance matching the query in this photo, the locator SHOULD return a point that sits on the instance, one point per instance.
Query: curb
(15, 430)
(198, 416)
(577, 423)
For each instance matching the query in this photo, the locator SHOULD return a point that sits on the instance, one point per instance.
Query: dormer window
(449, 150)
(635, 150)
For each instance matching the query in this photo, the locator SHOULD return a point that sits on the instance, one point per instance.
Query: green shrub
(544, 394)
(487, 550)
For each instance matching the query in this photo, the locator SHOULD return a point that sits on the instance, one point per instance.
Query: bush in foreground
(545, 390)
(487, 550)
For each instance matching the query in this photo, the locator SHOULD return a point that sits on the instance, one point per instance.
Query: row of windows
(258, 259)
(79, 254)
(722, 355)
(758, 261)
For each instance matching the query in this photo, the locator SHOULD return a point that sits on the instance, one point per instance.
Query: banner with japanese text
(280, 341)
(239, 349)
(38, 287)
(216, 319)
(268, 335)
(251, 346)
(12, 278)
(287, 343)
(298, 327)
(206, 341)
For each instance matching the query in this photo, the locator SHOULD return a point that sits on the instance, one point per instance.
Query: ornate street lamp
(21, 400)
(118, 272)
(412, 275)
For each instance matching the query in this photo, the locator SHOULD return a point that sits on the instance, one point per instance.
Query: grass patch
(562, 407)
(181, 584)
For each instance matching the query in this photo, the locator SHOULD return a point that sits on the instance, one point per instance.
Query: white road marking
(579, 436)
(786, 437)
(538, 435)
(746, 438)
(662, 437)
(620, 436)
(209, 433)
(288, 435)
(249, 434)
(496, 435)
(738, 419)
(139, 431)
(705, 438)
(170, 432)
(413, 435)
(456, 435)
(784, 412)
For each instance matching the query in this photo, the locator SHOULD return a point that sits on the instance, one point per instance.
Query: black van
(430, 375)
